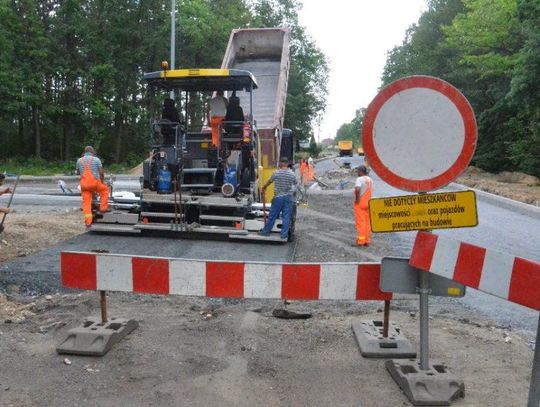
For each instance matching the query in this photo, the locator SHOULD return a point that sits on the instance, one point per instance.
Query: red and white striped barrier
(154, 275)
(505, 276)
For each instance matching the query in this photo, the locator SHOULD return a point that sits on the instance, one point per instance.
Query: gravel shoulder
(514, 185)
(242, 356)
(29, 233)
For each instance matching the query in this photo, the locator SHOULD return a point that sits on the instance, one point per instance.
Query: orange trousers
(215, 122)
(361, 218)
(90, 186)
(311, 173)
(304, 173)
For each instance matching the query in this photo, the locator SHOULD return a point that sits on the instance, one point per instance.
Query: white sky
(356, 35)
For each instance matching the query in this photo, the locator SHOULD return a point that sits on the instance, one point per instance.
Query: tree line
(71, 70)
(490, 50)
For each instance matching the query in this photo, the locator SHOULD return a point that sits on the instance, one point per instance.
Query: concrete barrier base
(433, 387)
(94, 338)
(372, 344)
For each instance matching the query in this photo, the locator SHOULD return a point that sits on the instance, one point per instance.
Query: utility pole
(173, 39)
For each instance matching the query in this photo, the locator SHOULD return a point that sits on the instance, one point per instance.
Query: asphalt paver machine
(191, 185)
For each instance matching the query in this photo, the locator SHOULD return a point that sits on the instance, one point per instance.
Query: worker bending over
(283, 201)
(90, 169)
(4, 191)
(217, 109)
(362, 194)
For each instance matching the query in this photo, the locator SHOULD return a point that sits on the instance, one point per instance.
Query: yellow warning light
(454, 291)
(165, 65)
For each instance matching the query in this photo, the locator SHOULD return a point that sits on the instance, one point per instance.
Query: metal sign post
(423, 382)
(534, 390)
(173, 39)
(424, 291)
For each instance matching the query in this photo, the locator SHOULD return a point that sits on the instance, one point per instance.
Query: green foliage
(71, 70)
(490, 50)
(353, 129)
(314, 148)
(37, 166)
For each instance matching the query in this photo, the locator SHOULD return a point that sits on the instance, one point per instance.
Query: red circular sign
(419, 133)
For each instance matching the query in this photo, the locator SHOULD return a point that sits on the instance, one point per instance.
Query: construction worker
(362, 194)
(311, 169)
(90, 169)
(217, 109)
(169, 111)
(304, 171)
(4, 191)
(3, 211)
(283, 201)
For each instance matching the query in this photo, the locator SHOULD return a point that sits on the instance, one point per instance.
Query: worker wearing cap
(217, 109)
(90, 169)
(362, 194)
(284, 187)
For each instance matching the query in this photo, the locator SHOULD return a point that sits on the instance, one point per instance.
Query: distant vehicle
(360, 151)
(345, 148)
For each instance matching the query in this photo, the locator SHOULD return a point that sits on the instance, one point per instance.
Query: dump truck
(345, 148)
(192, 185)
(264, 53)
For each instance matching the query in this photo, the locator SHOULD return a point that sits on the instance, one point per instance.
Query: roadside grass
(41, 167)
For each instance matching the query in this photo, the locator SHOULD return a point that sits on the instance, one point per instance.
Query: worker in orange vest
(303, 171)
(217, 109)
(90, 169)
(362, 194)
(311, 169)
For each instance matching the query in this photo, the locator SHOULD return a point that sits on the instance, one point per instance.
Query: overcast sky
(356, 35)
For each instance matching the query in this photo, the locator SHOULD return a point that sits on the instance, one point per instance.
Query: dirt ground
(240, 355)
(26, 234)
(514, 185)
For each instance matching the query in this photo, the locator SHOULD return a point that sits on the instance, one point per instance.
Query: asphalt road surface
(503, 225)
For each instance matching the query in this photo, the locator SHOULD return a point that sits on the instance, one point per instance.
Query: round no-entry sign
(419, 133)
